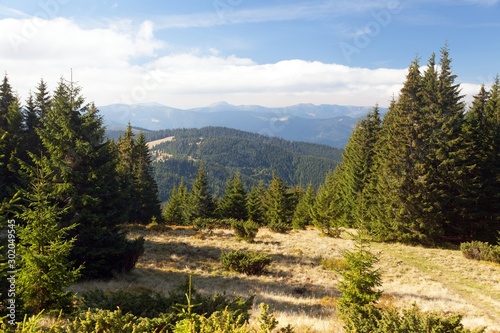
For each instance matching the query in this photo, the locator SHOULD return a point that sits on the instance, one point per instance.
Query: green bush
(150, 305)
(245, 230)
(416, 321)
(481, 251)
(250, 263)
(280, 227)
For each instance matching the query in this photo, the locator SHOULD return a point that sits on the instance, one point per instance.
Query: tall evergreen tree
(44, 249)
(277, 205)
(254, 203)
(353, 174)
(201, 201)
(481, 184)
(84, 163)
(11, 129)
(324, 212)
(176, 210)
(145, 191)
(233, 201)
(447, 147)
(302, 214)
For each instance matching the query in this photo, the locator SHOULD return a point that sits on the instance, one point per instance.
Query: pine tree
(176, 210)
(13, 147)
(481, 183)
(201, 201)
(324, 212)
(44, 249)
(359, 288)
(84, 163)
(254, 203)
(354, 172)
(233, 201)
(447, 147)
(302, 214)
(145, 191)
(277, 206)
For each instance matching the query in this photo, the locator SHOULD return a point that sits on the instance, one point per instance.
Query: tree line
(68, 188)
(429, 172)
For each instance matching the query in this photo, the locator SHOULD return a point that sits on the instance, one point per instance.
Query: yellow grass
(299, 290)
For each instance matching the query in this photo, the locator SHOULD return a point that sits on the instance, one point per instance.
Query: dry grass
(300, 291)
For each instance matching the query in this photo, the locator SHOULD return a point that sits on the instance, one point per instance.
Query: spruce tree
(354, 172)
(254, 204)
(145, 191)
(44, 248)
(84, 163)
(481, 184)
(201, 201)
(233, 201)
(277, 206)
(176, 210)
(11, 129)
(324, 211)
(302, 214)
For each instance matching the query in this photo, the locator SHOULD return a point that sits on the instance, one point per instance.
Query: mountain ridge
(325, 123)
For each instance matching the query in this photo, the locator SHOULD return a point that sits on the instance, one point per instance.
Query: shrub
(333, 264)
(481, 251)
(281, 227)
(245, 230)
(414, 320)
(150, 305)
(245, 262)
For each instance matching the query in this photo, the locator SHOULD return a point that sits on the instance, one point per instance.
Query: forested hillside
(226, 151)
(429, 172)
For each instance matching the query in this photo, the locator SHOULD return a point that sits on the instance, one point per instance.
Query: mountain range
(326, 124)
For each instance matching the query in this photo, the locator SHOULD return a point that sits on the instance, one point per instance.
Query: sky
(193, 53)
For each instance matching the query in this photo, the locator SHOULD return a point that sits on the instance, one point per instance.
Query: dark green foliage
(138, 187)
(254, 203)
(481, 251)
(44, 250)
(250, 263)
(245, 230)
(176, 210)
(359, 284)
(278, 206)
(302, 214)
(233, 201)
(352, 176)
(225, 152)
(152, 305)
(324, 211)
(201, 201)
(415, 321)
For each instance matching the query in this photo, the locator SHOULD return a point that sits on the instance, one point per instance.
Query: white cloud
(123, 64)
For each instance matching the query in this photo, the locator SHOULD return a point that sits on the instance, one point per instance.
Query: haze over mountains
(325, 124)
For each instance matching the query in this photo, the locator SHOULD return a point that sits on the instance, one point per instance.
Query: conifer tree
(481, 184)
(44, 249)
(302, 214)
(11, 129)
(354, 172)
(145, 191)
(176, 210)
(201, 201)
(277, 205)
(254, 203)
(324, 212)
(233, 201)
(83, 162)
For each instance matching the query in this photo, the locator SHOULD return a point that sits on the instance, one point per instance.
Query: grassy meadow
(301, 283)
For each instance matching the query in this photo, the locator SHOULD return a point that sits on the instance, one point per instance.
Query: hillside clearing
(299, 290)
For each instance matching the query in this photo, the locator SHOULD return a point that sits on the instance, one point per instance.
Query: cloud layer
(121, 63)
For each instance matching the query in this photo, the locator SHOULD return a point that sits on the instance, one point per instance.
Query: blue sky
(275, 53)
